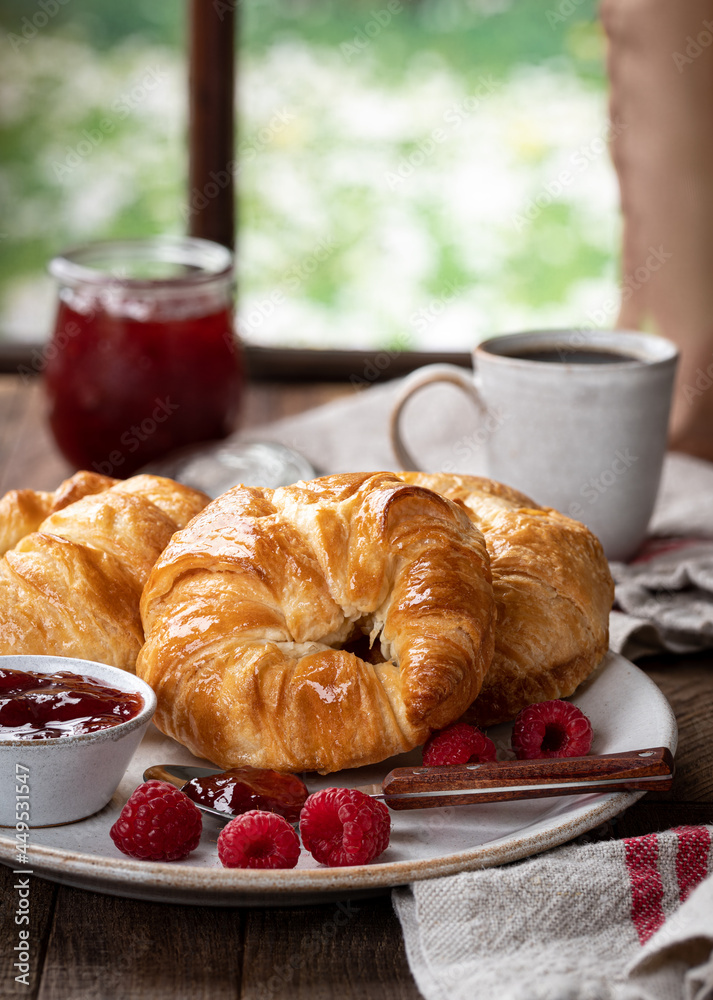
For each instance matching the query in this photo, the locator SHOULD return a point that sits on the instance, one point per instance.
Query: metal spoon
(181, 774)
(215, 467)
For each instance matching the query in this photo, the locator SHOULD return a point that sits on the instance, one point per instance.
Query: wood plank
(648, 816)
(352, 949)
(687, 682)
(14, 407)
(29, 458)
(104, 948)
(41, 905)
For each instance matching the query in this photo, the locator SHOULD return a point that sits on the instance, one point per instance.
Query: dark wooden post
(211, 198)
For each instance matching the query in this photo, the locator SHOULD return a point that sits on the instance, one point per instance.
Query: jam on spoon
(243, 788)
(36, 706)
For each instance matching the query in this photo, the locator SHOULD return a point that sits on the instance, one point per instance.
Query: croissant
(23, 511)
(553, 591)
(72, 583)
(319, 626)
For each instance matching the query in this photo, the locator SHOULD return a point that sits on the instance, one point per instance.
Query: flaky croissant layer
(76, 561)
(553, 591)
(320, 626)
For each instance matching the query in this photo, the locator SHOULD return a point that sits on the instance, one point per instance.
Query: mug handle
(463, 380)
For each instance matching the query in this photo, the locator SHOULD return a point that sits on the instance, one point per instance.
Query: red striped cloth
(646, 885)
(693, 849)
(614, 920)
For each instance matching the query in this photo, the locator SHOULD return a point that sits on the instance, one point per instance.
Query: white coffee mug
(575, 419)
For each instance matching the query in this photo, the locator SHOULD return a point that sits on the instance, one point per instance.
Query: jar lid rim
(208, 260)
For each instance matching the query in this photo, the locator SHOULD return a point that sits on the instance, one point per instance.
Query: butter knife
(496, 781)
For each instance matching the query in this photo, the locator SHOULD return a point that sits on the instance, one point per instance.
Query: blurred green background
(412, 175)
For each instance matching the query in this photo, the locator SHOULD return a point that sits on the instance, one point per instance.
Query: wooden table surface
(85, 945)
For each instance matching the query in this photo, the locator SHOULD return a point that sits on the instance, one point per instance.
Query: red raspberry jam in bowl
(37, 706)
(68, 729)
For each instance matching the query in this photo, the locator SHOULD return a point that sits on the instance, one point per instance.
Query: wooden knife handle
(503, 781)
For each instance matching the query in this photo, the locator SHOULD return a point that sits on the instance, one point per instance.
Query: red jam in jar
(243, 788)
(143, 359)
(37, 706)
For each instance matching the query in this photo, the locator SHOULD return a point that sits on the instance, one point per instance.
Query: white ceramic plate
(627, 711)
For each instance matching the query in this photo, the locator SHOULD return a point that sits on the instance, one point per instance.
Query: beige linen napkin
(664, 596)
(616, 920)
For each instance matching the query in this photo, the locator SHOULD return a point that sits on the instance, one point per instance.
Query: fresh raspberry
(158, 823)
(258, 839)
(342, 826)
(457, 744)
(551, 729)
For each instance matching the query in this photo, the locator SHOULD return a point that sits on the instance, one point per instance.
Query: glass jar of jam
(144, 357)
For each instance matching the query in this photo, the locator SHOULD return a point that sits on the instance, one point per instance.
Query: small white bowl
(70, 777)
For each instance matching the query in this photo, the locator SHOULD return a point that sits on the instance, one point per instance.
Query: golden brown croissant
(23, 511)
(72, 587)
(252, 611)
(553, 592)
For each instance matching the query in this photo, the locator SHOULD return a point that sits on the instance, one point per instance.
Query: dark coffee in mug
(572, 356)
